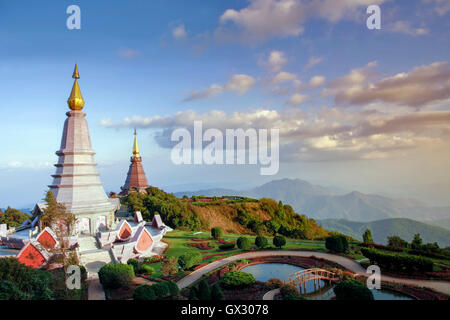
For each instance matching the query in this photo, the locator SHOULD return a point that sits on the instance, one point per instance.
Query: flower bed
(221, 241)
(200, 245)
(155, 259)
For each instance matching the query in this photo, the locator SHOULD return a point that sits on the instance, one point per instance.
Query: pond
(266, 271)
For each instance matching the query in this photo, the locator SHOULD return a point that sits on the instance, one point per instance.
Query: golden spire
(75, 100)
(135, 146)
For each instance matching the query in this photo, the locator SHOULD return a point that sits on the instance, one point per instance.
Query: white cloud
(179, 32)
(239, 83)
(275, 61)
(327, 134)
(317, 81)
(406, 28)
(265, 19)
(313, 61)
(282, 77)
(127, 53)
(296, 99)
(417, 88)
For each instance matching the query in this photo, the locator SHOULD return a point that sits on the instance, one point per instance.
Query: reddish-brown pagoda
(136, 176)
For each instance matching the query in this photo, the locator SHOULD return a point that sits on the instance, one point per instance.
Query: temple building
(76, 182)
(99, 236)
(136, 179)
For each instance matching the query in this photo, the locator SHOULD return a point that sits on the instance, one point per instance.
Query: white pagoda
(76, 182)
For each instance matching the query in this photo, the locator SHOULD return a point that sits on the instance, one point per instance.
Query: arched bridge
(316, 274)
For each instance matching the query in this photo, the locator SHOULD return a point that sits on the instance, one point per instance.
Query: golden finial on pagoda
(76, 101)
(135, 146)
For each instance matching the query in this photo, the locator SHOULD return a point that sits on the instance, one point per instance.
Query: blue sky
(146, 58)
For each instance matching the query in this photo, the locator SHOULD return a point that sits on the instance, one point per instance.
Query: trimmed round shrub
(216, 293)
(161, 289)
(243, 243)
(261, 242)
(189, 259)
(279, 241)
(134, 263)
(114, 276)
(144, 292)
(145, 268)
(336, 243)
(237, 279)
(216, 232)
(173, 288)
(288, 289)
(274, 283)
(352, 290)
(227, 246)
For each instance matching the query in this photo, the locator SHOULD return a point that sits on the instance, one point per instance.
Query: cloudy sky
(358, 109)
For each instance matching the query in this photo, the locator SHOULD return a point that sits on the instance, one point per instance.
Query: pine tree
(204, 291)
(367, 236)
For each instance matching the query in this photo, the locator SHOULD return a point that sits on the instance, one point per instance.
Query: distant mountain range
(381, 229)
(326, 203)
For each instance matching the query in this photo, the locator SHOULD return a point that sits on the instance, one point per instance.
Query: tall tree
(61, 222)
(367, 236)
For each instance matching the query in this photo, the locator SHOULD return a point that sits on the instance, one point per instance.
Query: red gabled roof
(47, 238)
(33, 255)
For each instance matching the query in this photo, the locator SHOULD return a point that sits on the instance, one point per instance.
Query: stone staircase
(91, 256)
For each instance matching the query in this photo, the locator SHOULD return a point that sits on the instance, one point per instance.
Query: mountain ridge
(322, 203)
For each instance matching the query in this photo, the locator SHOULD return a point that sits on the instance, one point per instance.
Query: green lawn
(177, 241)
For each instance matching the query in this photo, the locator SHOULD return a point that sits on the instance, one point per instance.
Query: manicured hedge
(216, 232)
(161, 289)
(237, 279)
(173, 288)
(114, 276)
(352, 290)
(261, 242)
(243, 243)
(397, 262)
(279, 241)
(189, 259)
(227, 246)
(336, 243)
(144, 292)
(381, 247)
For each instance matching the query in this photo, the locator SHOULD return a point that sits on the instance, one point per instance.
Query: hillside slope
(381, 229)
(324, 203)
(241, 216)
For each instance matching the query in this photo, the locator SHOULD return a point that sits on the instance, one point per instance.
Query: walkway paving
(441, 286)
(95, 291)
(271, 294)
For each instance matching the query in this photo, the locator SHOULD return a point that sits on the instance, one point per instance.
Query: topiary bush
(274, 283)
(189, 259)
(173, 288)
(352, 290)
(237, 279)
(161, 289)
(216, 232)
(399, 262)
(261, 242)
(227, 246)
(134, 263)
(144, 292)
(243, 243)
(279, 241)
(145, 268)
(113, 276)
(336, 243)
